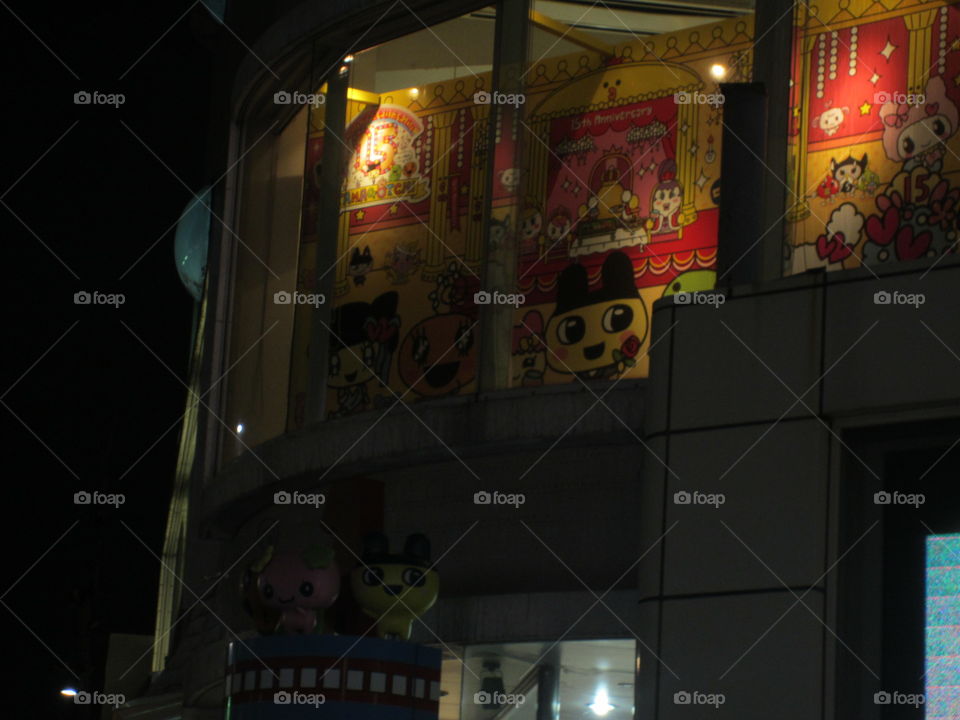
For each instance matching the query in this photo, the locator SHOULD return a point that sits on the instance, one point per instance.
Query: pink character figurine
(298, 585)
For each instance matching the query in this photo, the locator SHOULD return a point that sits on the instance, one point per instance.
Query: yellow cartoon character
(395, 589)
(597, 334)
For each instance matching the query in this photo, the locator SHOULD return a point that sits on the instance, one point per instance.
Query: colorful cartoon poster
(875, 163)
(618, 186)
(385, 164)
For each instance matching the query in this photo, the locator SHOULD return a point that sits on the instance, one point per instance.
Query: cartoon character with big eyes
(531, 222)
(439, 355)
(596, 334)
(397, 588)
(299, 586)
(666, 200)
(916, 134)
(831, 119)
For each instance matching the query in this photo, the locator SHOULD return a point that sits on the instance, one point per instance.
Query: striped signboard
(332, 676)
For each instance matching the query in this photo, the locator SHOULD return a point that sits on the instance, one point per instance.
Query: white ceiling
(463, 47)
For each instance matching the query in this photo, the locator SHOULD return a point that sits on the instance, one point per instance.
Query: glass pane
(409, 245)
(595, 678)
(267, 243)
(622, 122)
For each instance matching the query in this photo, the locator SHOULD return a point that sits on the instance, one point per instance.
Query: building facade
(680, 448)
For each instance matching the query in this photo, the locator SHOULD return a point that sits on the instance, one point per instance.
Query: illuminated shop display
(616, 202)
(874, 134)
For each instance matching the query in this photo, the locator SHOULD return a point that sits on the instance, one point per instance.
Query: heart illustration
(910, 247)
(932, 108)
(833, 249)
(883, 232)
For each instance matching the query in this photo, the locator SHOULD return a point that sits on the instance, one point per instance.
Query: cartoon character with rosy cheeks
(298, 586)
(597, 334)
(916, 134)
(439, 355)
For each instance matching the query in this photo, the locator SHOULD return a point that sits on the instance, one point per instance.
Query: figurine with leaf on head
(287, 593)
(395, 589)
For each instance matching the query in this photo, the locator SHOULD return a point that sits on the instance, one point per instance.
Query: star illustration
(888, 50)
(875, 78)
(359, 215)
(865, 108)
(393, 209)
(702, 180)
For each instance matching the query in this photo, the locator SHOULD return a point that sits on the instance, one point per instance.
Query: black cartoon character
(360, 264)
(848, 172)
(597, 334)
(363, 339)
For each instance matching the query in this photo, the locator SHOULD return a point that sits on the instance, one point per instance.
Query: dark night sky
(98, 400)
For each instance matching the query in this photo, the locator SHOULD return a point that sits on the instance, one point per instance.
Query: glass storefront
(496, 228)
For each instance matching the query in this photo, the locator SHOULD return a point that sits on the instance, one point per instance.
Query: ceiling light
(718, 71)
(601, 703)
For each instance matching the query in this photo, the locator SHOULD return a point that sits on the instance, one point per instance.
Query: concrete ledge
(474, 426)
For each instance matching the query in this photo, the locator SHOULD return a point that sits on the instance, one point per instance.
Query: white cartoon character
(831, 119)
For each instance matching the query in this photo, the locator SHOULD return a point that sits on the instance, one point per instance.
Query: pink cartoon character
(831, 119)
(300, 586)
(915, 133)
